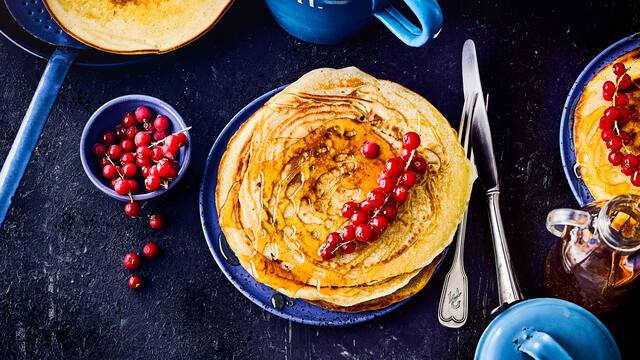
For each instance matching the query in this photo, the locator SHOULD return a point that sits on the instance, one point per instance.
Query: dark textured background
(63, 290)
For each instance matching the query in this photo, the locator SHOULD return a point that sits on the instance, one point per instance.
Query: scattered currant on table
(365, 221)
(614, 119)
(134, 282)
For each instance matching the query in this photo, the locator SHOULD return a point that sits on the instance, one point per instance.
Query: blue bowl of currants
(135, 148)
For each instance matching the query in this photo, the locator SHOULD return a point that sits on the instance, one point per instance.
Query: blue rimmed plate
(262, 295)
(567, 148)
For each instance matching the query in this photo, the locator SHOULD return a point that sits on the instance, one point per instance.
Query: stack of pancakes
(603, 179)
(289, 168)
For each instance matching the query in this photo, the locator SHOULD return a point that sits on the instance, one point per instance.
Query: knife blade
(480, 130)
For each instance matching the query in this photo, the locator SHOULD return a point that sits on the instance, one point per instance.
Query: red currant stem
(165, 184)
(162, 140)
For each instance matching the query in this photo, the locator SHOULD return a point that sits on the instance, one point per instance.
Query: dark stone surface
(62, 287)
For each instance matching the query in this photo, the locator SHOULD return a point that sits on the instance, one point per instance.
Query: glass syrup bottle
(595, 262)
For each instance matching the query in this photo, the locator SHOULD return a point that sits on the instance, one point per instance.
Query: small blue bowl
(106, 118)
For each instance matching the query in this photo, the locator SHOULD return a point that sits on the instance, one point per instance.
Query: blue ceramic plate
(567, 148)
(262, 295)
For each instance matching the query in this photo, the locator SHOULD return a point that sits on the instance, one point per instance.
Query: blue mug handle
(540, 345)
(427, 12)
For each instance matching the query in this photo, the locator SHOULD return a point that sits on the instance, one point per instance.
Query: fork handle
(508, 288)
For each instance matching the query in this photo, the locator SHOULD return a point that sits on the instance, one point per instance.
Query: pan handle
(29, 132)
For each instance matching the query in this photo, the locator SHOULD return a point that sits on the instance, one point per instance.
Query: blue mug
(332, 21)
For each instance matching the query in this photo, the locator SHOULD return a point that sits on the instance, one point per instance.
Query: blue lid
(546, 329)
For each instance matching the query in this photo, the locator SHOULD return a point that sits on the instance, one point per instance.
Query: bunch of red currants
(614, 119)
(366, 220)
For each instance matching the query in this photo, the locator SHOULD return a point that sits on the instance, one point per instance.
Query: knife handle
(508, 288)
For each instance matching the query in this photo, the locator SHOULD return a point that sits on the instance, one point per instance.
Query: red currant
(161, 123)
(408, 179)
(121, 186)
(131, 261)
(129, 120)
(99, 150)
(145, 170)
(614, 143)
(114, 152)
(134, 282)
(621, 100)
(132, 209)
(128, 158)
(104, 162)
(109, 138)
(405, 154)
(325, 252)
(131, 132)
(619, 69)
(333, 240)
(370, 150)
(134, 187)
(386, 184)
(156, 221)
(624, 82)
(400, 193)
(605, 123)
(129, 170)
(393, 167)
(419, 165)
(359, 217)
(390, 212)
(366, 208)
(378, 223)
(615, 158)
(611, 114)
(172, 143)
(182, 138)
(109, 171)
(159, 135)
(156, 153)
(607, 134)
(121, 131)
(348, 232)
(348, 247)
(128, 145)
(152, 182)
(608, 87)
(376, 197)
(142, 139)
(363, 233)
(625, 137)
(151, 250)
(635, 178)
(143, 113)
(411, 140)
(629, 164)
(348, 208)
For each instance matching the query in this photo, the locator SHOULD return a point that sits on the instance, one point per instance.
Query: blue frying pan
(32, 17)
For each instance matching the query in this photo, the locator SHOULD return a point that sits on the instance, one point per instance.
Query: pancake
(290, 167)
(136, 26)
(603, 179)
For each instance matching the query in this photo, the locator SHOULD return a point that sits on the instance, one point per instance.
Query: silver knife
(508, 288)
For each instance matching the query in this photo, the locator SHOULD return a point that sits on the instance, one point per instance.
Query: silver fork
(453, 308)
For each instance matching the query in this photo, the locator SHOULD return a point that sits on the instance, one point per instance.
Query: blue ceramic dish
(261, 295)
(106, 118)
(567, 148)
